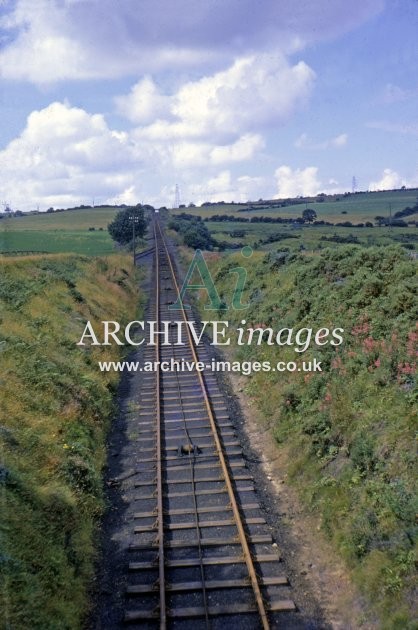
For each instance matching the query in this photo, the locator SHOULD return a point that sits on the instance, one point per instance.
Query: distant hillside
(357, 207)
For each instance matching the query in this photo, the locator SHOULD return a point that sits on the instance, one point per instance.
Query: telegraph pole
(134, 220)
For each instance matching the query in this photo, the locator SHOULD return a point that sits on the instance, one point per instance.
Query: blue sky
(232, 100)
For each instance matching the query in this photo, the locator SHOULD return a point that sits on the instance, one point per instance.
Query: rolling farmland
(56, 232)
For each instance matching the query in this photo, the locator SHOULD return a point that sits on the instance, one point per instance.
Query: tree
(197, 236)
(121, 227)
(309, 215)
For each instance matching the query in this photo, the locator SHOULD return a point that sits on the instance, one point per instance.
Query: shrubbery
(193, 230)
(348, 432)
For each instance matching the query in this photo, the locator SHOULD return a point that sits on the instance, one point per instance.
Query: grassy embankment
(347, 434)
(55, 408)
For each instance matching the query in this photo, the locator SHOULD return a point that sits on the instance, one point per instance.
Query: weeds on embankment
(55, 407)
(348, 433)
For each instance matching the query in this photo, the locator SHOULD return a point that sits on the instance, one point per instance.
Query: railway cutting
(195, 550)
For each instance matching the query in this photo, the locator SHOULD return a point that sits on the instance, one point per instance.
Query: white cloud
(186, 154)
(339, 141)
(299, 182)
(224, 187)
(304, 142)
(52, 40)
(129, 196)
(243, 149)
(213, 121)
(391, 180)
(63, 156)
(41, 49)
(253, 188)
(73, 40)
(144, 104)
(256, 91)
(66, 156)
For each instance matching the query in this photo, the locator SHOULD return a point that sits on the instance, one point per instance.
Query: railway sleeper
(202, 542)
(196, 466)
(208, 561)
(212, 611)
(200, 510)
(201, 524)
(140, 589)
(192, 433)
(241, 477)
(204, 492)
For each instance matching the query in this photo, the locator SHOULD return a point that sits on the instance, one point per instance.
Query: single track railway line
(202, 552)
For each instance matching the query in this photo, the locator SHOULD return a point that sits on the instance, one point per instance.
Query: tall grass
(347, 434)
(54, 412)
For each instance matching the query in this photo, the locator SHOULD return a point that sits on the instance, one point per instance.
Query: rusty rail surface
(199, 483)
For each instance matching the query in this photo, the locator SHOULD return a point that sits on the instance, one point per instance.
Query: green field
(70, 231)
(59, 232)
(77, 242)
(310, 237)
(359, 207)
(68, 220)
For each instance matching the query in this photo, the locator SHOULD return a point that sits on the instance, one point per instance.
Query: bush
(347, 434)
(193, 230)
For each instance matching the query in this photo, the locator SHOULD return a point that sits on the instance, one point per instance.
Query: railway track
(202, 555)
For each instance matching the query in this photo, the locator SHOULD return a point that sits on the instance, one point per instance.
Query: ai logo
(215, 304)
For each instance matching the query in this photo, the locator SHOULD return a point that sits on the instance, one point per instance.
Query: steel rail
(192, 461)
(234, 505)
(160, 509)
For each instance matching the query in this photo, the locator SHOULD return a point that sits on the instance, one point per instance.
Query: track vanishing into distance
(202, 554)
